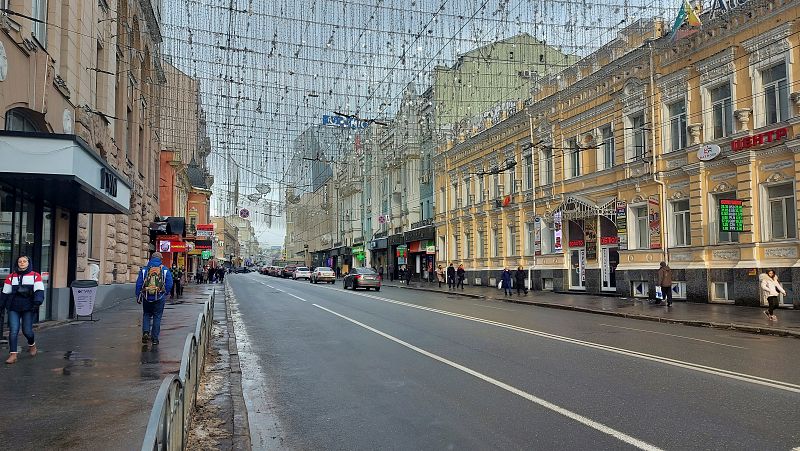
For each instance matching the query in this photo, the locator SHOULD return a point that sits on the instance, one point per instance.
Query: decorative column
(694, 133)
(743, 116)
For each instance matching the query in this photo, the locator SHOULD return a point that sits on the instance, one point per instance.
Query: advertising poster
(84, 300)
(557, 232)
(590, 237)
(622, 224)
(654, 212)
(537, 236)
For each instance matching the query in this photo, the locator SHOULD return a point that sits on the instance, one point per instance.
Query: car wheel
(377, 288)
(367, 288)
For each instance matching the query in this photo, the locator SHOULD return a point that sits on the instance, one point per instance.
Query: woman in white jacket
(772, 289)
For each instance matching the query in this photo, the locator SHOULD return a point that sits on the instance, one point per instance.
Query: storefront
(45, 182)
(359, 256)
(379, 258)
(396, 260)
(419, 242)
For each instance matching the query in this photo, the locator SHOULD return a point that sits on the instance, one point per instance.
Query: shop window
(547, 284)
(6, 231)
(39, 26)
(677, 125)
(776, 94)
(681, 223)
(640, 288)
(720, 291)
(722, 237)
(481, 244)
(782, 208)
(546, 166)
(679, 290)
(721, 111)
(641, 226)
(608, 148)
(93, 236)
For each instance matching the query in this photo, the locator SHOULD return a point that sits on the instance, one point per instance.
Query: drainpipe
(533, 201)
(662, 185)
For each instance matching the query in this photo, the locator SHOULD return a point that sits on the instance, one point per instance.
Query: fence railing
(168, 425)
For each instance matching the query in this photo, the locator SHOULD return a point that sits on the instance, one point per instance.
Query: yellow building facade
(648, 150)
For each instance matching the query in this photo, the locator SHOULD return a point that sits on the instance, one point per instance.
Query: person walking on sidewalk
(665, 282)
(177, 277)
(460, 275)
(409, 275)
(772, 289)
(519, 278)
(23, 293)
(440, 275)
(505, 282)
(3, 338)
(451, 277)
(152, 286)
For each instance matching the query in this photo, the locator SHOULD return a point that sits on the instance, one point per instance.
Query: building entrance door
(577, 269)
(609, 259)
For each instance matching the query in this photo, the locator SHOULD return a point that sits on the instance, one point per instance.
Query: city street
(324, 368)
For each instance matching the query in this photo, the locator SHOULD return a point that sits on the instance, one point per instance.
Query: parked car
(322, 274)
(302, 273)
(362, 278)
(241, 270)
(288, 271)
(276, 271)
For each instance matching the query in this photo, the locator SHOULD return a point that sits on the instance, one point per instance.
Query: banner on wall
(557, 233)
(537, 236)
(622, 224)
(590, 238)
(654, 213)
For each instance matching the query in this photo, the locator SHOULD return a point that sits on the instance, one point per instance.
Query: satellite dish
(255, 197)
(263, 188)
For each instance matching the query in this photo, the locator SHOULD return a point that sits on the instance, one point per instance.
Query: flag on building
(686, 22)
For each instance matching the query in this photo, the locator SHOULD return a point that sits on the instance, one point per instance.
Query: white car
(302, 273)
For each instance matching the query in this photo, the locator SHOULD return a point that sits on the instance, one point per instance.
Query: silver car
(323, 274)
(362, 278)
(301, 273)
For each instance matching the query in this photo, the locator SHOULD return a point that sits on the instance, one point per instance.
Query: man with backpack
(152, 286)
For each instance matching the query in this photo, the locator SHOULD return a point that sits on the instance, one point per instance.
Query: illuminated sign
(759, 139)
(576, 243)
(731, 215)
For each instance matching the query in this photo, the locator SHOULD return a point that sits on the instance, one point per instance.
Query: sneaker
(155, 342)
(145, 337)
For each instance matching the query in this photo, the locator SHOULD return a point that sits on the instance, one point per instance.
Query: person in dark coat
(409, 274)
(451, 277)
(519, 278)
(506, 282)
(460, 276)
(23, 293)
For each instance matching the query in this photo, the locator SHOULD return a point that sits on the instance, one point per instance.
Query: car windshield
(365, 271)
(302, 268)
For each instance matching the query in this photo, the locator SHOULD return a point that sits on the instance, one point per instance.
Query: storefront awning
(575, 207)
(62, 170)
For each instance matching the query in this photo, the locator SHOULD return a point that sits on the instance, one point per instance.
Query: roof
(197, 177)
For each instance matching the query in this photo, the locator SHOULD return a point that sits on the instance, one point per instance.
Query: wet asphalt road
(403, 369)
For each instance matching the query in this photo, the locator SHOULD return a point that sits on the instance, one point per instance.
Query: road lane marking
(673, 335)
(541, 402)
(749, 378)
(296, 297)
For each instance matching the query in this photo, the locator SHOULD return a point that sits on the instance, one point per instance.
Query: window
(512, 241)
(495, 243)
(574, 157)
(496, 182)
(142, 155)
(722, 237)
(721, 111)
(128, 134)
(528, 171)
(442, 200)
(608, 149)
(481, 188)
(467, 192)
(719, 291)
(776, 94)
(677, 125)
(467, 241)
(443, 247)
(39, 26)
(481, 244)
(782, 222)
(639, 141)
(454, 247)
(641, 227)
(99, 79)
(530, 234)
(546, 166)
(681, 229)
(18, 121)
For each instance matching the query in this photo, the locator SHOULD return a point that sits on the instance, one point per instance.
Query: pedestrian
(440, 275)
(409, 275)
(665, 282)
(772, 289)
(519, 278)
(380, 272)
(198, 277)
(177, 287)
(222, 275)
(212, 274)
(152, 286)
(451, 277)
(23, 293)
(391, 273)
(338, 272)
(506, 281)
(460, 276)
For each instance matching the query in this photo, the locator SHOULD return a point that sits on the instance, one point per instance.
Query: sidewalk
(93, 384)
(747, 319)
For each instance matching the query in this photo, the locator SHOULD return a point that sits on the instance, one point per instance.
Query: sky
(269, 70)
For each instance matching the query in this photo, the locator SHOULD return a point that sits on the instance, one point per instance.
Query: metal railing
(168, 425)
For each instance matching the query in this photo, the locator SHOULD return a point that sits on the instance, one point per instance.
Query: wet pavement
(748, 319)
(93, 383)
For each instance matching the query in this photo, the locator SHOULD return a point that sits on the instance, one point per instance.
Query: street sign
(708, 152)
(244, 213)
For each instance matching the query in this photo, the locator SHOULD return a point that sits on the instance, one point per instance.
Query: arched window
(22, 120)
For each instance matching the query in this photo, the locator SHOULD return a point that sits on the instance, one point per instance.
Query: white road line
(673, 335)
(749, 378)
(541, 402)
(296, 297)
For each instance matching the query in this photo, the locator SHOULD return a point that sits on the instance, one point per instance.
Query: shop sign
(205, 230)
(402, 251)
(731, 215)
(622, 224)
(425, 233)
(590, 234)
(172, 246)
(708, 152)
(108, 182)
(430, 250)
(722, 7)
(395, 239)
(576, 243)
(205, 255)
(537, 236)
(557, 232)
(358, 250)
(654, 212)
(202, 244)
(759, 139)
(605, 240)
(345, 122)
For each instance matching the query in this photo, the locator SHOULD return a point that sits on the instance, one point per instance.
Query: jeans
(666, 292)
(2, 320)
(152, 310)
(14, 320)
(451, 283)
(460, 283)
(773, 303)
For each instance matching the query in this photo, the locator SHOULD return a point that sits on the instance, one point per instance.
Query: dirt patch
(211, 426)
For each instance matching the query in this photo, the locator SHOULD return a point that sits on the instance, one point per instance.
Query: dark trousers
(177, 288)
(773, 303)
(460, 283)
(450, 282)
(521, 288)
(666, 293)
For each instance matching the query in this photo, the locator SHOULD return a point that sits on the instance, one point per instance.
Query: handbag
(659, 293)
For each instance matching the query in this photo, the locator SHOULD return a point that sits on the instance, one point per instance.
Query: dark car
(288, 271)
(362, 278)
(241, 270)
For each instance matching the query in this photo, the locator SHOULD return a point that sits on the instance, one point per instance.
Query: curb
(688, 322)
(241, 425)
